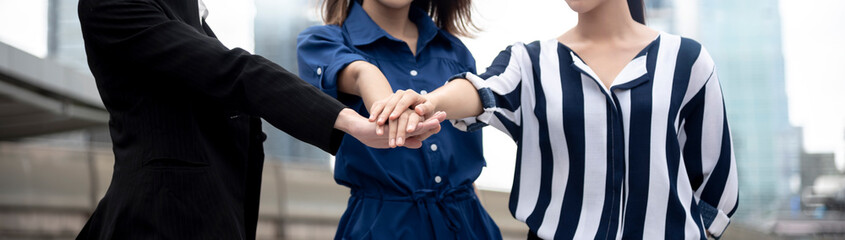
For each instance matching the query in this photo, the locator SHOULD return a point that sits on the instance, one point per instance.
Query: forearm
(458, 98)
(364, 79)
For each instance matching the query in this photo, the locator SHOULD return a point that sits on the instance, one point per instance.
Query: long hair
(637, 9)
(454, 16)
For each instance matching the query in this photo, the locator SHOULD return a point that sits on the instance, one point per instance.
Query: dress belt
(434, 200)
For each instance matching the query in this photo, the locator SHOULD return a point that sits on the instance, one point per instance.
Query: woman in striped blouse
(621, 130)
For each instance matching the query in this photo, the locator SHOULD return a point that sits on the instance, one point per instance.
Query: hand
(365, 131)
(402, 120)
(393, 107)
(408, 122)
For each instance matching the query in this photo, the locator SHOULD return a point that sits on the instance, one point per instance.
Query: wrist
(345, 120)
(433, 100)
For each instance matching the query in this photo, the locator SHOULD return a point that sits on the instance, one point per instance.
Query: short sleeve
(322, 53)
(499, 90)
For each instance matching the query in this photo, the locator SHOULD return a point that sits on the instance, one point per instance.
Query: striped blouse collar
(632, 75)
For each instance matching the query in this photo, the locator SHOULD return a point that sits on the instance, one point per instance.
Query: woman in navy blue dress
(366, 51)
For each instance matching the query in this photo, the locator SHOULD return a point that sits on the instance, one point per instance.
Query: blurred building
(813, 166)
(64, 36)
(660, 15)
(277, 23)
(744, 38)
(819, 211)
(822, 186)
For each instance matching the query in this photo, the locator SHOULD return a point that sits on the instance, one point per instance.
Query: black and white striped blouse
(649, 158)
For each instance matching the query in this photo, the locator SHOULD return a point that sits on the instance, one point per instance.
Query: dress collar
(363, 30)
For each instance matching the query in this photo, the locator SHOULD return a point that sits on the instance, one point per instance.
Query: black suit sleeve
(140, 37)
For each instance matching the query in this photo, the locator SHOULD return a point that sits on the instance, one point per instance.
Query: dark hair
(450, 15)
(637, 9)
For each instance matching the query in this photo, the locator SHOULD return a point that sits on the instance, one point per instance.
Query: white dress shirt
(203, 10)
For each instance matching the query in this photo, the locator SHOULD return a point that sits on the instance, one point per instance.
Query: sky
(232, 22)
(23, 24)
(812, 45)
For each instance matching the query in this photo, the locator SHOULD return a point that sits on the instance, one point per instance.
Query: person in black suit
(184, 120)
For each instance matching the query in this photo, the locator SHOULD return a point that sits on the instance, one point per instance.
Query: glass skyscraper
(744, 38)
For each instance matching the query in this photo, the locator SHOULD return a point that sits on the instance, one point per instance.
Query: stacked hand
(366, 131)
(401, 121)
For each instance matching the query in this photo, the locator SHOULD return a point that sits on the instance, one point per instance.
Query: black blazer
(184, 120)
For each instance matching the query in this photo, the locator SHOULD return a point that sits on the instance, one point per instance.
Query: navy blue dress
(401, 193)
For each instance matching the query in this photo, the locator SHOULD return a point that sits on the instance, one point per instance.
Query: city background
(778, 62)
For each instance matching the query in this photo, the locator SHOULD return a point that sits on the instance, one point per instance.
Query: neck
(607, 21)
(393, 20)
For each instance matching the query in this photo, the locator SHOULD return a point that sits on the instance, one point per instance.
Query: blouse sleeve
(708, 149)
(499, 90)
(322, 54)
